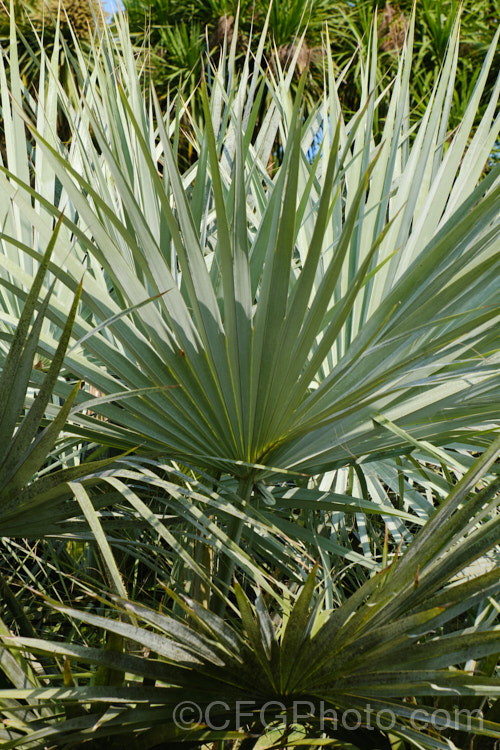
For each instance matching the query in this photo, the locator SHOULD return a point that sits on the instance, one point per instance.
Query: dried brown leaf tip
(392, 28)
(305, 57)
(224, 27)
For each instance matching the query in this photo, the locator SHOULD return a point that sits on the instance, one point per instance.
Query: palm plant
(333, 324)
(255, 327)
(391, 640)
(57, 24)
(434, 25)
(161, 25)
